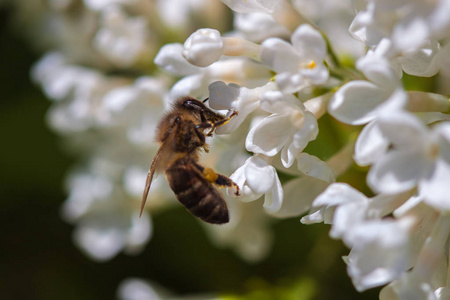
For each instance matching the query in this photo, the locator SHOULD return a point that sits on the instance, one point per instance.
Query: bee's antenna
(205, 100)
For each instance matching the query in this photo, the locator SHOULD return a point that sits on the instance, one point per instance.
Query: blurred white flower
(137, 107)
(120, 38)
(107, 221)
(137, 289)
(77, 89)
(99, 5)
(298, 65)
(417, 157)
(248, 6)
(380, 255)
(409, 24)
(428, 279)
(257, 27)
(176, 13)
(333, 17)
(170, 59)
(140, 289)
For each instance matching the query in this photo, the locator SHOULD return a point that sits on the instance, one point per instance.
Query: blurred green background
(39, 261)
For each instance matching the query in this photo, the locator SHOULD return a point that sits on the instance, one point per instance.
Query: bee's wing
(150, 173)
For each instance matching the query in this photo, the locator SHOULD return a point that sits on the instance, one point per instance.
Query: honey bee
(181, 134)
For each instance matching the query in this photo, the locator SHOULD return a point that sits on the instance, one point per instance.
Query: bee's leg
(225, 181)
(218, 179)
(201, 137)
(224, 121)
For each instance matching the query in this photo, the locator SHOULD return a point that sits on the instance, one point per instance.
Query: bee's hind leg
(223, 181)
(218, 179)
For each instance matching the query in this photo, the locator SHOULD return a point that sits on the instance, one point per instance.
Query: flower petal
(274, 198)
(276, 102)
(279, 55)
(355, 102)
(260, 175)
(300, 139)
(398, 171)
(249, 6)
(436, 189)
(222, 95)
(309, 43)
(370, 145)
(170, 59)
(299, 195)
(203, 47)
(269, 136)
(403, 130)
(380, 256)
(312, 166)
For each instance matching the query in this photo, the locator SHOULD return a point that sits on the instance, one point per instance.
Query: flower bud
(203, 47)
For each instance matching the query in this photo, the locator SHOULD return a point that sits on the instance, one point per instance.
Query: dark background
(39, 261)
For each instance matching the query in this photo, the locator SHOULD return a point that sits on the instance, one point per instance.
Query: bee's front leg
(217, 124)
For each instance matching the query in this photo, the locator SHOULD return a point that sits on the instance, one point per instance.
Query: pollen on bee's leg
(210, 175)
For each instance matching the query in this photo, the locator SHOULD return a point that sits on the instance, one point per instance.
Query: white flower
(79, 91)
(258, 26)
(429, 274)
(380, 254)
(418, 156)
(248, 6)
(121, 39)
(300, 64)
(137, 108)
(325, 204)
(289, 128)
(170, 59)
(137, 289)
(359, 101)
(104, 234)
(370, 145)
(99, 5)
(176, 13)
(409, 24)
(239, 70)
(382, 249)
(236, 98)
(256, 178)
(107, 221)
(203, 47)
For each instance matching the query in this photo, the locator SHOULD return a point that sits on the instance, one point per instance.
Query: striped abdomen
(195, 193)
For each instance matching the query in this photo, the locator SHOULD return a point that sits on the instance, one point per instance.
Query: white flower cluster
(284, 67)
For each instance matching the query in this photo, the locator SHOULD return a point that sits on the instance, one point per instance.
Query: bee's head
(198, 108)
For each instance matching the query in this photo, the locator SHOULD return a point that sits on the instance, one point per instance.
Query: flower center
(310, 65)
